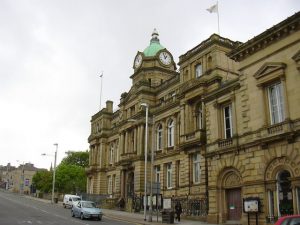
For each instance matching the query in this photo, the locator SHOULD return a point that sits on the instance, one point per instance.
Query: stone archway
(282, 187)
(230, 195)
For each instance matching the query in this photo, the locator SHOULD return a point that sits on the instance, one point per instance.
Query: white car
(69, 200)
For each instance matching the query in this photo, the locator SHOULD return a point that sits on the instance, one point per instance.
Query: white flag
(213, 9)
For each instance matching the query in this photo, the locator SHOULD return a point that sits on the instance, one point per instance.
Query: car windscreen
(75, 199)
(88, 205)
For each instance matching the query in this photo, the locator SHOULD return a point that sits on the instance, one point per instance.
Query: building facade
(18, 179)
(223, 128)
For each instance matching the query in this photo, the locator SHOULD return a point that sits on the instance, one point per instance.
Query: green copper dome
(154, 46)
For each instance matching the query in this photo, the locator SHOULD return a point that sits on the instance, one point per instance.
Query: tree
(76, 158)
(43, 181)
(70, 178)
(70, 174)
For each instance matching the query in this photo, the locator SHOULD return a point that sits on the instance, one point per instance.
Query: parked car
(288, 220)
(86, 210)
(69, 199)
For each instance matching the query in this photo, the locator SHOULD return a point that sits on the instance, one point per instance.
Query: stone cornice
(266, 38)
(157, 68)
(224, 89)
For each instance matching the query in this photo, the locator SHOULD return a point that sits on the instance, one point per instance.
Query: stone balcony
(127, 158)
(191, 139)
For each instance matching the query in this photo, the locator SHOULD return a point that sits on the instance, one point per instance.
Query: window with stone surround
(227, 121)
(199, 116)
(276, 105)
(270, 78)
(171, 133)
(198, 70)
(111, 154)
(159, 137)
(157, 173)
(196, 168)
(169, 175)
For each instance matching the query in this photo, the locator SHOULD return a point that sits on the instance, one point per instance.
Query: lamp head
(144, 105)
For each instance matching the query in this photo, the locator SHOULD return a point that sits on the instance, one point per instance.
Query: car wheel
(72, 213)
(99, 218)
(81, 216)
(65, 206)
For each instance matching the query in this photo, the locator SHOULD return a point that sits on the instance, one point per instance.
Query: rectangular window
(227, 121)
(109, 185)
(159, 138)
(157, 174)
(196, 168)
(198, 70)
(111, 155)
(276, 103)
(169, 175)
(171, 134)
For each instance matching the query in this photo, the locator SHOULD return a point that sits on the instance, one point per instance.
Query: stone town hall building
(224, 127)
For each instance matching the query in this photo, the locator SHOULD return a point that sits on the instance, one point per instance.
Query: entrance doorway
(234, 204)
(130, 185)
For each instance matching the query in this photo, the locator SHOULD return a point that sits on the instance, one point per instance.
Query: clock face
(138, 60)
(165, 58)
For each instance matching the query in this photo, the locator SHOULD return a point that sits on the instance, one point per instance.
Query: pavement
(132, 218)
(138, 218)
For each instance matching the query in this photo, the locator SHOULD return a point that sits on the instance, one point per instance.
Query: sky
(53, 51)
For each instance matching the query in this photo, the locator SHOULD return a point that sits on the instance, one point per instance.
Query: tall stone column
(126, 142)
(134, 139)
(142, 137)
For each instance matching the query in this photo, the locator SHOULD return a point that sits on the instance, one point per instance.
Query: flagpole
(218, 18)
(101, 76)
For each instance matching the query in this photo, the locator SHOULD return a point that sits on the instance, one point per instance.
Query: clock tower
(155, 64)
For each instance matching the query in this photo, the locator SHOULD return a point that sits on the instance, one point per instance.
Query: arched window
(198, 70)
(199, 116)
(284, 191)
(171, 133)
(159, 137)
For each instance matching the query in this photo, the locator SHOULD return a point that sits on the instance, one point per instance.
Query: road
(19, 210)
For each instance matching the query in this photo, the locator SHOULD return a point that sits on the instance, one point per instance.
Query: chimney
(109, 106)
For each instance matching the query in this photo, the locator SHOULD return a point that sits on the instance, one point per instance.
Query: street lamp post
(146, 152)
(54, 170)
(151, 173)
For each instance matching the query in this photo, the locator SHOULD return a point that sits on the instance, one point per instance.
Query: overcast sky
(52, 52)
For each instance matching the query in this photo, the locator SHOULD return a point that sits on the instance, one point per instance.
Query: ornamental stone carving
(232, 180)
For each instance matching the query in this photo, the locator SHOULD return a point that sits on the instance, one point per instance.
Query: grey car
(86, 210)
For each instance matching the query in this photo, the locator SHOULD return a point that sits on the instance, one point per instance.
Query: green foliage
(70, 179)
(70, 175)
(76, 158)
(43, 181)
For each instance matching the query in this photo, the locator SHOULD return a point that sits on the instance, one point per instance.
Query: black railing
(192, 207)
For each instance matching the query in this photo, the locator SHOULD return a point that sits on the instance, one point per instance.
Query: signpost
(251, 205)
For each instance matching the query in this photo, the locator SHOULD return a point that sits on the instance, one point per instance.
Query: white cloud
(53, 51)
